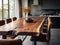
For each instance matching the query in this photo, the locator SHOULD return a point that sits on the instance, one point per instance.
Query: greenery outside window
(7, 8)
(0, 9)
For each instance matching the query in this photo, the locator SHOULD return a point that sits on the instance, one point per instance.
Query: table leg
(25, 38)
(48, 43)
(35, 43)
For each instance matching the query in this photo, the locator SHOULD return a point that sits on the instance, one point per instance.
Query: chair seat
(10, 42)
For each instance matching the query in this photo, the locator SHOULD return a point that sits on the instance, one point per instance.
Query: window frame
(8, 9)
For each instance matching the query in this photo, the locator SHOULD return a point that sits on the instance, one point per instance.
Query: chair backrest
(8, 20)
(14, 18)
(10, 42)
(2, 22)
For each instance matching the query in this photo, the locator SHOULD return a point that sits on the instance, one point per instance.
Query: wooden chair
(2, 22)
(8, 20)
(44, 30)
(10, 42)
(14, 18)
(44, 34)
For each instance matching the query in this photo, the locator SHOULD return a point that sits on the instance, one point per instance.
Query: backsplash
(36, 10)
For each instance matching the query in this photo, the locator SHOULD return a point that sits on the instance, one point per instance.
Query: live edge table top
(25, 28)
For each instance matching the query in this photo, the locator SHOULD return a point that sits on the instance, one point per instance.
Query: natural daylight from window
(7, 8)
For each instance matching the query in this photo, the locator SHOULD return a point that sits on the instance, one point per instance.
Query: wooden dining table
(23, 27)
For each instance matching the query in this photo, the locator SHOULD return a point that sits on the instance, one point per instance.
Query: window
(7, 9)
(12, 8)
(0, 9)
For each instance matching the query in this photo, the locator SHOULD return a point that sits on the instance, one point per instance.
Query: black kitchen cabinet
(55, 22)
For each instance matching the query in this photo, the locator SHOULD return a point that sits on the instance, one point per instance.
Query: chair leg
(48, 43)
(4, 36)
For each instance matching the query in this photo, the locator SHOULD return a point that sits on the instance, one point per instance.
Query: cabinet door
(55, 22)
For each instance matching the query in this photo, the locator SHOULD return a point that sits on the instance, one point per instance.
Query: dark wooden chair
(10, 42)
(14, 18)
(8, 20)
(44, 30)
(2, 22)
(44, 34)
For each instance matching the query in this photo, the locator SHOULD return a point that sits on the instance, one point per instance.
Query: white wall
(16, 9)
(35, 2)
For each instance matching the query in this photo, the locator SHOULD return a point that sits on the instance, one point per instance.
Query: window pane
(12, 8)
(5, 9)
(0, 9)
